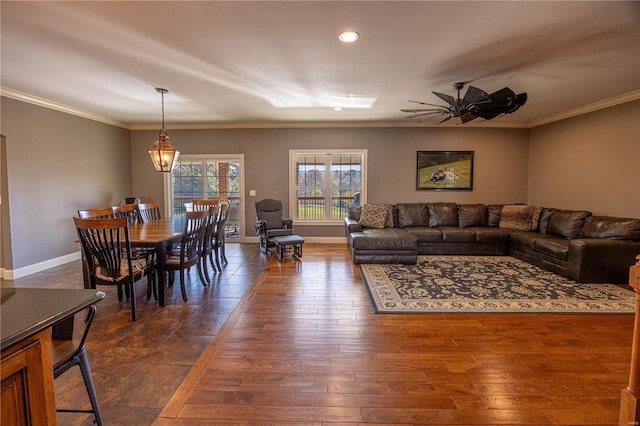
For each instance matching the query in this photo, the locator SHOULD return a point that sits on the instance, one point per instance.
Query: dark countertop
(27, 311)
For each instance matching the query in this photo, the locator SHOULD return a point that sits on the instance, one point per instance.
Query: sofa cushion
(553, 247)
(493, 213)
(524, 239)
(472, 215)
(519, 216)
(412, 214)
(545, 218)
(383, 239)
(373, 216)
(567, 223)
(442, 214)
(616, 228)
(457, 235)
(490, 235)
(391, 211)
(425, 235)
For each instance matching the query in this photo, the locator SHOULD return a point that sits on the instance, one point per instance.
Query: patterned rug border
(619, 301)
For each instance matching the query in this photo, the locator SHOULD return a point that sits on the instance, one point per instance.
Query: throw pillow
(535, 217)
(517, 216)
(472, 215)
(373, 216)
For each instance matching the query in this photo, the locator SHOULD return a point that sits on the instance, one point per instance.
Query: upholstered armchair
(271, 223)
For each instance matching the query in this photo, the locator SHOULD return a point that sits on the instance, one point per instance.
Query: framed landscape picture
(445, 170)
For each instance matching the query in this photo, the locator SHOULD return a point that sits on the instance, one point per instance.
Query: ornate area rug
(486, 284)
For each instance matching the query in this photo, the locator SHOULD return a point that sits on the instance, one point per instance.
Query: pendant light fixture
(163, 154)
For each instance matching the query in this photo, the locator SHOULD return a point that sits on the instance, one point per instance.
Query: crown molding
(616, 100)
(320, 124)
(45, 103)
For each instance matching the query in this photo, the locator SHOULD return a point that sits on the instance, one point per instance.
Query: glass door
(206, 177)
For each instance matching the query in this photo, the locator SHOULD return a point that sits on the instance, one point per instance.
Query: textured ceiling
(264, 61)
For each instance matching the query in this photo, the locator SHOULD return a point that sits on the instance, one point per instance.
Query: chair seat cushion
(279, 232)
(138, 265)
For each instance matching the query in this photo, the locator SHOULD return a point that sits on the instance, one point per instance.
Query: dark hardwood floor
(297, 343)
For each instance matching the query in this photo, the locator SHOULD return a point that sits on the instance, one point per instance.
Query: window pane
(326, 184)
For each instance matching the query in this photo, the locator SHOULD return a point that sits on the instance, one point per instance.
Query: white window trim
(292, 180)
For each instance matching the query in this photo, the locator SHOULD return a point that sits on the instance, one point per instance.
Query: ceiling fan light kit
(476, 103)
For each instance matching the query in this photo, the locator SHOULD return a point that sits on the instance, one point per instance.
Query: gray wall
(500, 173)
(57, 163)
(589, 162)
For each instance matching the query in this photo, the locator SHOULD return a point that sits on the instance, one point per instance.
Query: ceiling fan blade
(467, 117)
(424, 103)
(447, 118)
(475, 95)
(503, 96)
(423, 114)
(447, 98)
(422, 109)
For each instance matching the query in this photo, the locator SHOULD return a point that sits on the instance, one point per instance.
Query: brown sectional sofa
(571, 243)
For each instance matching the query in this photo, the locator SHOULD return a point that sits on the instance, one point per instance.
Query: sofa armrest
(351, 225)
(593, 260)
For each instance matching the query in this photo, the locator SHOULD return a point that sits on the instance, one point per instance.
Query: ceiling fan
(475, 104)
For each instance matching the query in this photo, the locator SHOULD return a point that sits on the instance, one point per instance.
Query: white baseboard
(39, 267)
(9, 274)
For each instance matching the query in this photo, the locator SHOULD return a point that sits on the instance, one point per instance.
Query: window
(324, 184)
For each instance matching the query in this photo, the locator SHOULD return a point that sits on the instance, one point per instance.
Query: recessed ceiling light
(337, 108)
(348, 36)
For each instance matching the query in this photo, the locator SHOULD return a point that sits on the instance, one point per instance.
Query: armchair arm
(261, 227)
(287, 223)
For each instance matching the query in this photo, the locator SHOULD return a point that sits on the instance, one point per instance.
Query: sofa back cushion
(355, 210)
(493, 211)
(442, 214)
(567, 223)
(522, 217)
(545, 218)
(412, 214)
(615, 228)
(472, 215)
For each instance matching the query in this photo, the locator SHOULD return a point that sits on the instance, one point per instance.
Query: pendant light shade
(163, 154)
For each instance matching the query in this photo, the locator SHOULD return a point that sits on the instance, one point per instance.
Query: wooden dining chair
(68, 352)
(206, 247)
(187, 255)
(134, 217)
(107, 247)
(130, 211)
(219, 237)
(149, 211)
(99, 213)
(201, 204)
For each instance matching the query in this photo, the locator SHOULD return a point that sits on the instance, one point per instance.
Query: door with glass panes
(206, 177)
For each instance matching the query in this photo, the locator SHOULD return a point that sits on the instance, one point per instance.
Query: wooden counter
(26, 317)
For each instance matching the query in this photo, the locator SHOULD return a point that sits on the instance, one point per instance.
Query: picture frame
(444, 170)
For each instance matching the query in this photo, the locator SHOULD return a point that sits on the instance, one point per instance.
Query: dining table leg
(161, 260)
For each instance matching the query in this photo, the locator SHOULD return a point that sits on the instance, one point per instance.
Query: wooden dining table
(158, 234)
